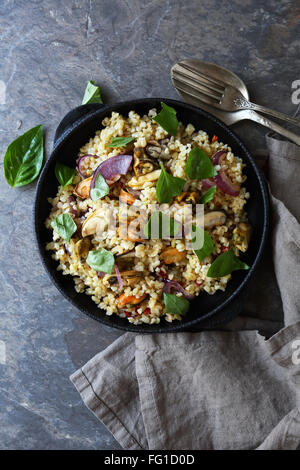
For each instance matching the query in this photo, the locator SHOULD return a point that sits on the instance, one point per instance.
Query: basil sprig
(65, 226)
(208, 244)
(199, 165)
(168, 186)
(167, 119)
(23, 158)
(101, 260)
(92, 94)
(120, 141)
(160, 225)
(101, 188)
(225, 264)
(176, 305)
(64, 174)
(208, 196)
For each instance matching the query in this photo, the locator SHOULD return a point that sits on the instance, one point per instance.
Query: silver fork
(217, 93)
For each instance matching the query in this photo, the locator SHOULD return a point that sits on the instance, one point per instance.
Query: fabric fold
(111, 392)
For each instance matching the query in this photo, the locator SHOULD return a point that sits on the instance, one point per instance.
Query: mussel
(82, 247)
(82, 189)
(129, 278)
(126, 260)
(172, 255)
(97, 222)
(125, 300)
(149, 178)
(156, 149)
(187, 197)
(143, 164)
(212, 219)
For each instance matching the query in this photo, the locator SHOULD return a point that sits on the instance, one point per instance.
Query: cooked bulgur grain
(150, 270)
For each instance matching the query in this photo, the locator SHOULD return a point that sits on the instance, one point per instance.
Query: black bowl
(206, 310)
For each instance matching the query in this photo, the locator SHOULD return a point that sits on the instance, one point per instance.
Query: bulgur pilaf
(146, 266)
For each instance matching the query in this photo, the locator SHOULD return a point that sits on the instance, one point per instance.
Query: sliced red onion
(134, 192)
(174, 285)
(223, 182)
(100, 274)
(80, 163)
(118, 276)
(218, 157)
(73, 210)
(208, 183)
(67, 251)
(112, 168)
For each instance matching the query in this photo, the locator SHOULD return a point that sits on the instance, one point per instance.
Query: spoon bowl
(229, 77)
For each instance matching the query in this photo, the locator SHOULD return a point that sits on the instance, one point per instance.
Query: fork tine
(199, 96)
(199, 88)
(199, 82)
(213, 80)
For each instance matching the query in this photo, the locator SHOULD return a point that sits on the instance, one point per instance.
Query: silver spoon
(218, 93)
(216, 71)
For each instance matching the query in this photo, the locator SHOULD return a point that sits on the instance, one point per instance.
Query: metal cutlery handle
(242, 103)
(274, 126)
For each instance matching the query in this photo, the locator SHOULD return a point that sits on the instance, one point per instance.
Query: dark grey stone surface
(49, 50)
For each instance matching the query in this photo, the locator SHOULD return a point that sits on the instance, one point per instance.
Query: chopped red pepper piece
(215, 137)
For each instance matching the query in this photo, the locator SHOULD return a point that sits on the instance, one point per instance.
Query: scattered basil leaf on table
(92, 94)
(160, 225)
(208, 196)
(101, 260)
(65, 226)
(120, 141)
(64, 174)
(225, 264)
(208, 244)
(101, 188)
(23, 158)
(176, 305)
(199, 165)
(168, 186)
(167, 119)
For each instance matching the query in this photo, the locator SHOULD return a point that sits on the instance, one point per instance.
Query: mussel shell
(126, 275)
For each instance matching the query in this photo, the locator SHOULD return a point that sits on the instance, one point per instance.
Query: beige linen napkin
(212, 389)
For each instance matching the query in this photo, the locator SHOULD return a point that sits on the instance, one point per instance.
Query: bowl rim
(73, 128)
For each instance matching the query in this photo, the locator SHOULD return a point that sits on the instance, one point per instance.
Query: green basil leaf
(208, 196)
(23, 158)
(176, 305)
(225, 264)
(160, 225)
(120, 141)
(167, 119)
(64, 174)
(208, 244)
(101, 260)
(65, 226)
(92, 94)
(199, 165)
(101, 188)
(168, 186)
